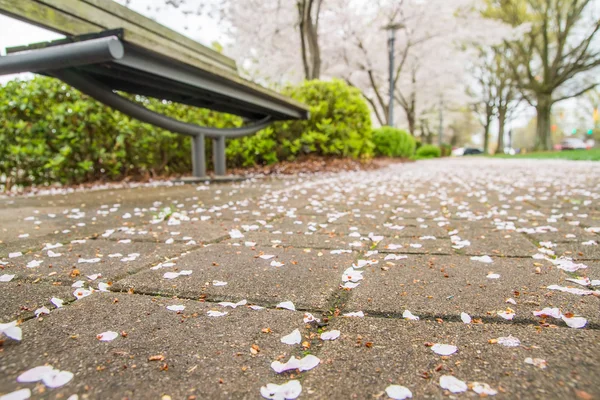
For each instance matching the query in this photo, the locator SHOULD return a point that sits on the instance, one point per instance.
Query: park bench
(109, 48)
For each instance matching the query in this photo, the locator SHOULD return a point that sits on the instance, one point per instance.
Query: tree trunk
(429, 137)
(313, 44)
(409, 110)
(411, 122)
(543, 140)
(486, 137)
(413, 104)
(426, 134)
(413, 107)
(501, 122)
(309, 39)
(302, 29)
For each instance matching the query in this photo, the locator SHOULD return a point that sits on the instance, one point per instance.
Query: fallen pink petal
(452, 384)
(107, 336)
(330, 335)
(575, 322)
(444, 349)
(304, 364)
(292, 338)
(288, 305)
(287, 391)
(483, 389)
(398, 392)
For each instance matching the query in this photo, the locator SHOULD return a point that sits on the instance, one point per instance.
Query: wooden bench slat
(67, 22)
(47, 18)
(77, 17)
(153, 26)
(134, 33)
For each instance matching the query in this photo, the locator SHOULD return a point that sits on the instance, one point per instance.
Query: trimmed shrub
(428, 151)
(392, 142)
(50, 132)
(258, 149)
(339, 123)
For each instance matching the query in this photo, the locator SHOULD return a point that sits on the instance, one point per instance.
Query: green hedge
(339, 125)
(428, 151)
(392, 142)
(50, 132)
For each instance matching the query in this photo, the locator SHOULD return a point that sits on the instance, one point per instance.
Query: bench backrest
(76, 17)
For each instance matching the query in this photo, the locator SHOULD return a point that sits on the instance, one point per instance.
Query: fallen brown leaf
(583, 395)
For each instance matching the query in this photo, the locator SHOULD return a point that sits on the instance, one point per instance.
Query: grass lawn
(580, 155)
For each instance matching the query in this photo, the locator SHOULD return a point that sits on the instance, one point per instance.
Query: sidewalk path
(449, 278)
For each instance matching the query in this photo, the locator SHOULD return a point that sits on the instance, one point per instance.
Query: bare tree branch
(579, 93)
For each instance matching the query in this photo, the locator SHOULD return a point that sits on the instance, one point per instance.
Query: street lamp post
(441, 128)
(391, 28)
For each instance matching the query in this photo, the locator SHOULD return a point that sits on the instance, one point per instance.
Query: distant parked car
(471, 151)
(573, 144)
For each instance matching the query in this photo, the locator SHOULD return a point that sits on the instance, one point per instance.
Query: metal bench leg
(219, 156)
(198, 157)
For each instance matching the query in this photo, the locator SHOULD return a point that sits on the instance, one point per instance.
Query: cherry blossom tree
(493, 91)
(277, 42)
(352, 45)
(430, 58)
(283, 40)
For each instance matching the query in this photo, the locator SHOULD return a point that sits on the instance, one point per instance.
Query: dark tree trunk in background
(486, 138)
(308, 17)
(411, 124)
(409, 105)
(501, 122)
(428, 132)
(543, 140)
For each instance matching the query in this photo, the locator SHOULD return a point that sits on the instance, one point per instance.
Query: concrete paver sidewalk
(412, 251)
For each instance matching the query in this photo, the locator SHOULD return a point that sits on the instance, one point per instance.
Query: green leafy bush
(258, 149)
(428, 151)
(339, 123)
(50, 132)
(392, 142)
